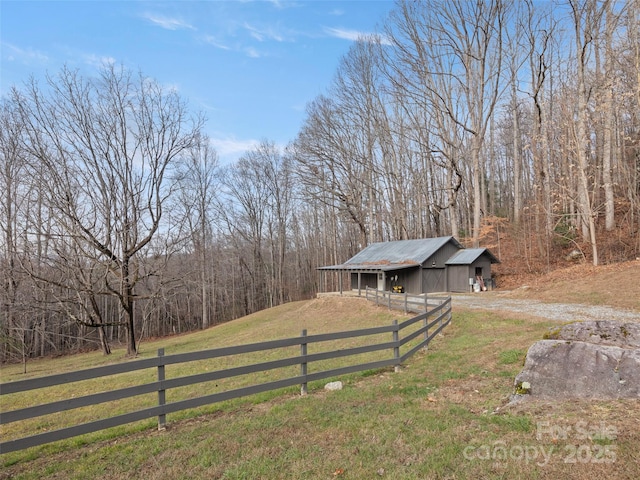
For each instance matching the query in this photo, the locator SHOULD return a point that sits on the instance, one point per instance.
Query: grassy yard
(444, 415)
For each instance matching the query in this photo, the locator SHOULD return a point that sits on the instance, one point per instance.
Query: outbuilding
(419, 266)
(470, 267)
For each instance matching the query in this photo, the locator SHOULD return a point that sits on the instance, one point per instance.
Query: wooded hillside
(510, 125)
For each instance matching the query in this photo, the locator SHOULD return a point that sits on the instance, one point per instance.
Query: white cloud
(230, 149)
(171, 87)
(97, 61)
(344, 33)
(355, 35)
(252, 52)
(168, 23)
(262, 34)
(27, 56)
(231, 146)
(211, 40)
(277, 3)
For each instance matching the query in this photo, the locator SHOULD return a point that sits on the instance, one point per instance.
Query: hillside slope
(616, 285)
(320, 315)
(441, 416)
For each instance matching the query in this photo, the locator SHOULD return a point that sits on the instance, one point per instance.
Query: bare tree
(539, 29)
(276, 172)
(584, 19)
(332, 165)
(243, 210)
(431, 104)
(608, 112)
(632, 140)
(12, 172)
(462, 42)
(515, 60)
(107, 147)
(198, 180)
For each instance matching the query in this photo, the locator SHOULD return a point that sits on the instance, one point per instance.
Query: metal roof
(470, 255)
(395, 255)
(369, 267)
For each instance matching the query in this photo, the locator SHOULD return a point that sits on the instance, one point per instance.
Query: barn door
(433, 280)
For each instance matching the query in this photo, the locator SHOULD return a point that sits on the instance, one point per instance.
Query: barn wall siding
(458, 276)
(410, 280)
(483, 263)
(441, 256)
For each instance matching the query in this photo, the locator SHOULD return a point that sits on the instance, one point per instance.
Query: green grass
(281, 322)
(414, 424)
(509, 357)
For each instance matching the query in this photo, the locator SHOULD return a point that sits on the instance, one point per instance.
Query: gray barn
(439, 264)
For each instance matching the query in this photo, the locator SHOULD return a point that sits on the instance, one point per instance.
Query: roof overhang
(385, 267)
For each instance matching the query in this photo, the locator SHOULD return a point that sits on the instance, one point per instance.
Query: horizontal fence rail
(408, 302)
(424, 327)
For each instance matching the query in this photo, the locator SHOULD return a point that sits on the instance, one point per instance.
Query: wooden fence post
(303, 365)
(426, 331)
(396, 348)
(162, 418)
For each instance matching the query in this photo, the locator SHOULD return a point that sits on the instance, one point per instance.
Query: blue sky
(250, 66)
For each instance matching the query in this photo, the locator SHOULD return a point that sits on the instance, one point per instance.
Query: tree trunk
(104, 341)
(607, 130)
(517, 163)
(477, 195)
(586, 214)
(129, 311)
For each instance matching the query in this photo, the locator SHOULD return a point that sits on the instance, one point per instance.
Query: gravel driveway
(561, 312)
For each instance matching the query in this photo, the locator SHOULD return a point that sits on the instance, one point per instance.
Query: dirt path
(561, 312)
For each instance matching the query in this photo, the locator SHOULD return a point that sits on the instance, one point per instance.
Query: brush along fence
(406, 339)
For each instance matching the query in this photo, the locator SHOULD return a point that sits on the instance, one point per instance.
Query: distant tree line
(118, 222)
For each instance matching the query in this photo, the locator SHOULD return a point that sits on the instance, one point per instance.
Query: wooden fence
(407, 302)
(423, 327)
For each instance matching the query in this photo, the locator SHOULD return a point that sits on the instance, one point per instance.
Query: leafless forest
(472, 119)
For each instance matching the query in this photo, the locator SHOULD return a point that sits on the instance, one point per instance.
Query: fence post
(426, 331)
(445, 316)
(396, 348)
(405, 303)
(162, 418)
(303, 364)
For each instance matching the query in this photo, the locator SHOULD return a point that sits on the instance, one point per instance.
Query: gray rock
(590, 360)
(603, 332)
(333, 386)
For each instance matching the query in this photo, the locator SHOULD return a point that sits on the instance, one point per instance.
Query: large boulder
(592, 360)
